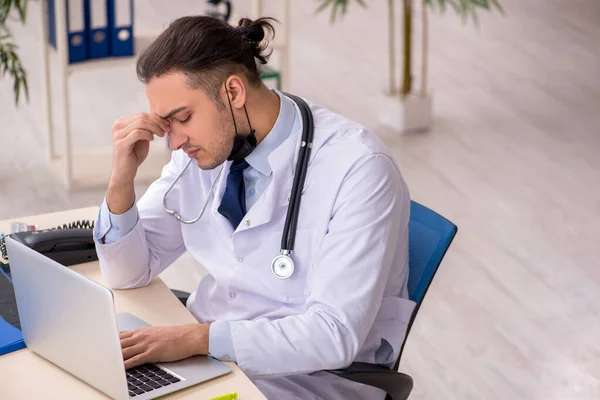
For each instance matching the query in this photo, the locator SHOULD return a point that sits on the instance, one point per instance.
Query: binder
(120, 19)
(51, 24)
(76, 29)
(11, 339)
(97, 20)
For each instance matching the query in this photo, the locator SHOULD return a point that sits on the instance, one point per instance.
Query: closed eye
(183, 121)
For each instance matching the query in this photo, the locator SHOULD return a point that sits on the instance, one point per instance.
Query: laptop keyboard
(146, 378)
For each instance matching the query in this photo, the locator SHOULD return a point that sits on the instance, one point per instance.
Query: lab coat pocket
(296, 288)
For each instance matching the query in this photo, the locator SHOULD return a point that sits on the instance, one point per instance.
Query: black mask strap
(242, 145)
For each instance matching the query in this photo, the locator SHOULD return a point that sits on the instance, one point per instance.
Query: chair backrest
(429, 237)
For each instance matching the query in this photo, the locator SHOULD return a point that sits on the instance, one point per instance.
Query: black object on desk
(66, 246)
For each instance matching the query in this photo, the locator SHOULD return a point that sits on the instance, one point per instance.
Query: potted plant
(10, 63)
(403, 108)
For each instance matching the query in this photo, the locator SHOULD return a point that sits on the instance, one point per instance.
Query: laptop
(70, 320)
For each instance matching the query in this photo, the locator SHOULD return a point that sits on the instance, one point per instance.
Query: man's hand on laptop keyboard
(163, 343)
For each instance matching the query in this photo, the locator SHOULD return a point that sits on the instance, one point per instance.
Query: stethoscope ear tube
(291, 221)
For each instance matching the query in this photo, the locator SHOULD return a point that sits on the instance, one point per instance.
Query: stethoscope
(282, 265)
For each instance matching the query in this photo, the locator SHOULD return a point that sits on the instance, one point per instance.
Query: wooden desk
(25, 375)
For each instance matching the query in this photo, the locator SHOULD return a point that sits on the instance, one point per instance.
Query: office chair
(429, 237)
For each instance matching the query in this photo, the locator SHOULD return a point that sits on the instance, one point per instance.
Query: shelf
(92, 167)
(141, 41)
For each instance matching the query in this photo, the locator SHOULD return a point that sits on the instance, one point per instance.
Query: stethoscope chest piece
(282, 266)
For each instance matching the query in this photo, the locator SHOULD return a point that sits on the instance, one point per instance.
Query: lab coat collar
(278, 191)
(258, 159)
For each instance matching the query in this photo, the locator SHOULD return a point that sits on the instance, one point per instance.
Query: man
(346, 299)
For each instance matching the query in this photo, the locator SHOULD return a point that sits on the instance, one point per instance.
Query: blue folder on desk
(11, 339)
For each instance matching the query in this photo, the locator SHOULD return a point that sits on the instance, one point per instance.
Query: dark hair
(207, 50)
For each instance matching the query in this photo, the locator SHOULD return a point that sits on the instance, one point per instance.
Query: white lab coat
(347, 297)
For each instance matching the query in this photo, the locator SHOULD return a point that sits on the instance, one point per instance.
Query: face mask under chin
(242, 146)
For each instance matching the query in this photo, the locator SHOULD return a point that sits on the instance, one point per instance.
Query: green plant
(337, 6)
(10, 63)
(465, 8)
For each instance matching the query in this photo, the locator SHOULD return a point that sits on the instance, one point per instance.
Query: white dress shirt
(347, 299)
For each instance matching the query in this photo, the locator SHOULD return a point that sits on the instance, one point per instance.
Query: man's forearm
(199, 339)
(120, 197)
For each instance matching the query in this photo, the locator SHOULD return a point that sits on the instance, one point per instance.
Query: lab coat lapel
(282, 161)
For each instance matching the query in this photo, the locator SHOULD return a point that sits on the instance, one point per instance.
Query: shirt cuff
(220, 344)
(113, 227)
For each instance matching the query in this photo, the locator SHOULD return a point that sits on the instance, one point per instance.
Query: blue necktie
(233, 203)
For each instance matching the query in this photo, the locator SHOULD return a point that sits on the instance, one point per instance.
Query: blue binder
(120, 19)
(98, 33)
(77, 30)
(11, 339)
(51, 24)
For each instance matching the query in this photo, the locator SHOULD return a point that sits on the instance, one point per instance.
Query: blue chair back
(429, 237)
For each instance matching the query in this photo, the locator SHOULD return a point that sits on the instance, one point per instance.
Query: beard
(218, 152)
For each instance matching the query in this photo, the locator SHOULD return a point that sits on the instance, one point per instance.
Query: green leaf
(337, 6)
(454, 4)
(5, 7)
(3, 58)
(22, 9)
(461, 10)
(482, 3)
(10, 63)
(498, 6)
(25, 86)
(323, 6)
(428, 3)
(334, 12)
(475, 17)
(442, 5)
(17, 90)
